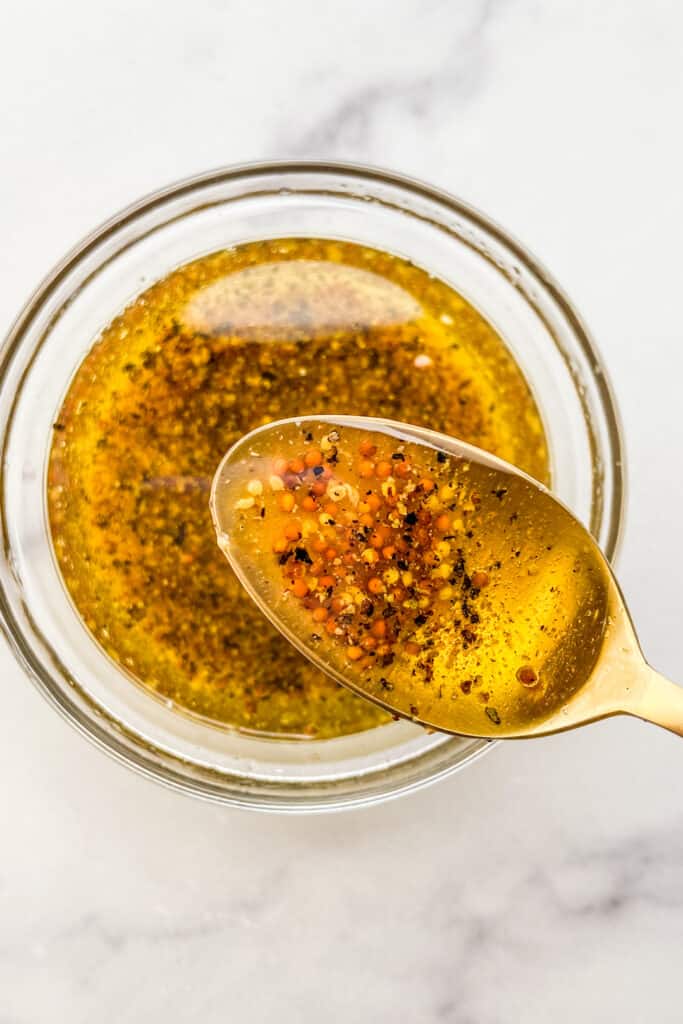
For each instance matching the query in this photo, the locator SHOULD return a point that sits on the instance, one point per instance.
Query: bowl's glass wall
(58, 327)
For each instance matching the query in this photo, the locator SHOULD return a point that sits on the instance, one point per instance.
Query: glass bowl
(144, 243)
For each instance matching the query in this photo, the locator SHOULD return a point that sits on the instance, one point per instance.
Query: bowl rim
(614, 516)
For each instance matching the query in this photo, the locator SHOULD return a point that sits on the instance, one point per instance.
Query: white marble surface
(546, 883)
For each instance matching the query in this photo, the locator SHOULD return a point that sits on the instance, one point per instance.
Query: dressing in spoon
(432, 578)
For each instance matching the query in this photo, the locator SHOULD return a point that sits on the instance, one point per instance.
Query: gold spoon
(432, 578)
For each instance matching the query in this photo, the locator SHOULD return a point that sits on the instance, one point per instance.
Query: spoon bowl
(432, 578)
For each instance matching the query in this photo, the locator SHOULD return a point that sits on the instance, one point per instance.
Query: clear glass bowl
(95, 281)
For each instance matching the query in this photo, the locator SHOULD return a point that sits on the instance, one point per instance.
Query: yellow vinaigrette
(234, 340)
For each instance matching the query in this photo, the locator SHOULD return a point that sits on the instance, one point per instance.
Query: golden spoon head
(452, 589)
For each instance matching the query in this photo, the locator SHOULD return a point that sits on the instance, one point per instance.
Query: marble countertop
(546, 882)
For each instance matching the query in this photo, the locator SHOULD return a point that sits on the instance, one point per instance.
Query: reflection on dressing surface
(277, 301)
(225, 344)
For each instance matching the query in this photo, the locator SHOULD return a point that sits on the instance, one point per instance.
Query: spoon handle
(659, 701)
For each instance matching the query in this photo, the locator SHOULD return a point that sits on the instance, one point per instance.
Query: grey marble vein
(417, 99)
